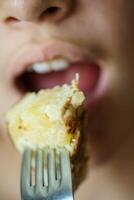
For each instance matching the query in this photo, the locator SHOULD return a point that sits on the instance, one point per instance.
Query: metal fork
(56, 185)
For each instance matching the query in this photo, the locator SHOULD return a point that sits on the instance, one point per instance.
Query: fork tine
(26, 168)
(39, 175)
(26, 180)
(66, 177)
(51, 168)
(40, 189)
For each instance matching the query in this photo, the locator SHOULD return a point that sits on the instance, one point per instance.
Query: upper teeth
(51, 65)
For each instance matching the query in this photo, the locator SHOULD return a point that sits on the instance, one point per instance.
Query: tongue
(89, 74)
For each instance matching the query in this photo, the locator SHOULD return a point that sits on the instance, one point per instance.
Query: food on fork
(49, 118)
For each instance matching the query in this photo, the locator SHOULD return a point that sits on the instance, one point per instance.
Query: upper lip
(35, 53)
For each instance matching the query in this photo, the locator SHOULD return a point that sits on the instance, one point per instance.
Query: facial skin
(105, 29)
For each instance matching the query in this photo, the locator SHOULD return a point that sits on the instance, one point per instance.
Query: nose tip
(37, 10)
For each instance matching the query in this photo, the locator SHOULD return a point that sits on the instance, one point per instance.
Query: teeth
(52, 65)
(59, 64)
(41, 68)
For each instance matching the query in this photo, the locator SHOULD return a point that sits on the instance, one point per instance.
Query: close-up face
(91, 37)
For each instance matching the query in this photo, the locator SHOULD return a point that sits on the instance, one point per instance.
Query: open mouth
(56, 63)
(58, 71)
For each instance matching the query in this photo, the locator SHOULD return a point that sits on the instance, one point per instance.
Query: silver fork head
(53, 179)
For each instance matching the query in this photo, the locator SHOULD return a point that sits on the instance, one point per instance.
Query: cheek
(107, 24)
(11, 41)
(8, 41)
